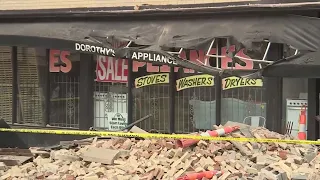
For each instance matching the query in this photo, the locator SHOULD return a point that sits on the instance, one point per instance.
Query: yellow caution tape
(155, 136)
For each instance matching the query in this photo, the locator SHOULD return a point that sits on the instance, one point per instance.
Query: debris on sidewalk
(117, 158)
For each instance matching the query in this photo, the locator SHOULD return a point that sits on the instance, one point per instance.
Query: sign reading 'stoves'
(161, 78)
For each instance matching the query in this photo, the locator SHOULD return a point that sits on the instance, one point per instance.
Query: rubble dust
(132, 159)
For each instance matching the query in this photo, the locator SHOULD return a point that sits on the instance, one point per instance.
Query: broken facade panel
(199, 62)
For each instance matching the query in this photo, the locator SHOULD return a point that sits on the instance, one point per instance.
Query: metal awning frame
(176, 56)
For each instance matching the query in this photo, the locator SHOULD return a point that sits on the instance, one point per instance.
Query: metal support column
(14, 64)
(47, 90)
(218, 85)
(313, 109)
(130, 93)
(172, 96)
(273, 93)
(86, 106)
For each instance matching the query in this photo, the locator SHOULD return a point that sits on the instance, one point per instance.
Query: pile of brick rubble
(125, 159)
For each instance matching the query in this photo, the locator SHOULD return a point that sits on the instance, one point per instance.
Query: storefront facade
(47, 82)
(151, 95)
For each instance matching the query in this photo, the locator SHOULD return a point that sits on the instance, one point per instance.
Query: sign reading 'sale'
(161, 78)
(195, 81)
(236, 82)
(110, 69)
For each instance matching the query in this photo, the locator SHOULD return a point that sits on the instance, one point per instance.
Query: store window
(63, 82)
(195, 100)
(151, 96)
(30, 85)
(64, 78)
(295, 98)
(243, 100)
(5, 84)
(110, 93)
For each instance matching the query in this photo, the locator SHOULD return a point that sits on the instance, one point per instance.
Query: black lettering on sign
(194, 81)
(152, 79)
(235, 82)
(210, 80)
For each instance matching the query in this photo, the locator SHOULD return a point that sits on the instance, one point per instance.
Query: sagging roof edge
(185, 34)
(161, 10)
(30, 41)
(33, 41)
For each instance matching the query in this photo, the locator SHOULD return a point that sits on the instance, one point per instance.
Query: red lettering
(137, 65)
(226, 61)
(109, 69)
(53, 59)
(151, 68)
(199, 57)
(166, 68)
(183, 56)
(66, 61)
(55, 56)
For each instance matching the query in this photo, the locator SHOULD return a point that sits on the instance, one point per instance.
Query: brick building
(48, 81)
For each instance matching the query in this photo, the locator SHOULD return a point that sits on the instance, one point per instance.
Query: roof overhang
(144, 7)
(151, 38)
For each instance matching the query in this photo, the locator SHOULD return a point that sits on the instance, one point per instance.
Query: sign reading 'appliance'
(136, 55)
(152, 57)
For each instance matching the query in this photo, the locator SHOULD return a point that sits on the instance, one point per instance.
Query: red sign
(58, 61)
(110, 69)
(200, 58)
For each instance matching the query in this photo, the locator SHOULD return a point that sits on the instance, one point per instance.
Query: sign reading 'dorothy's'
(236, 82)
(94, 49)
(161, 78)
(195, 81)
(148, 56)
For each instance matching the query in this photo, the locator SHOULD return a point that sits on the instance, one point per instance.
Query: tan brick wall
(58, 4)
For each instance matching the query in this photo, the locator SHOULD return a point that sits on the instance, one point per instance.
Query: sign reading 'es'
(59, 61)
(161, 78)
(195, 81)
(236, 82)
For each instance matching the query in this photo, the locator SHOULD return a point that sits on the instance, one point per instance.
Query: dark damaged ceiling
(301, 33)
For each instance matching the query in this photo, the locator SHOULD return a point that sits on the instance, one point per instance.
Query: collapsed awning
(153, 36)
(304, 65)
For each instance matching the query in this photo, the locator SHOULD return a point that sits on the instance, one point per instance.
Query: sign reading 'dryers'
(195, 81)
(161, 78)
(236, 82)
